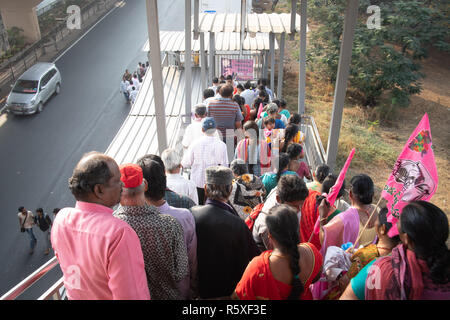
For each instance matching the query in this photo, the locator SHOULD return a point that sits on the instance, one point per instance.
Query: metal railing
(32, 279)
(314, 152)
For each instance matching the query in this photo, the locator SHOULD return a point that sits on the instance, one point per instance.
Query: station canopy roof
(173, 41)
(231, 22)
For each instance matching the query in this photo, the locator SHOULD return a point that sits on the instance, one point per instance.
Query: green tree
(384, 60)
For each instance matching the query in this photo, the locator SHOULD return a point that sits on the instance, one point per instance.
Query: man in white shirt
(215, 83)
(133, 94)
(26, 222)
(248, 94)
(124, 84)
(194, 130)
(135, 80)
(205, 152)
(175, 181)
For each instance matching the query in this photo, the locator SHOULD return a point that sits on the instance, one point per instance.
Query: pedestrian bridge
(138, 136)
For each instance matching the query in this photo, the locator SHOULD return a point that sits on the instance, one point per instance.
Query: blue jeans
(127, 95)
(32, 238)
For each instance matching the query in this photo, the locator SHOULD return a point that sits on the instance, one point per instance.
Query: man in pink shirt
(100, 255)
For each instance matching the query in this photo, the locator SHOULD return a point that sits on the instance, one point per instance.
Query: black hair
(257, 102)
(240, 87)
(40, 210)
(282, 224)
(208, 93)
(292, 188)
(382, 219)
(427, 227)
(362, 188)
(281, 163)
(226, 91)
(289, 133)
(239, 167)
(295, 118)
(283, 103)
(262, 93)
(263, 82)
(268, 120)
(252, 125)
(330, 181)
(154, 173)
(238, 99)
(56, 210)
(83, 180)
(247, 85)
(20, 209)
(322, 172)
(294, 150)
(215, 80)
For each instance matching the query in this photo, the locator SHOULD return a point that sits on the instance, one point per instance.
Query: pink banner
(414, 176)
(334, 191)
(241, 68)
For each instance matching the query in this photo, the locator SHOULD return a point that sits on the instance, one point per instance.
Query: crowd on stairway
(239, 214)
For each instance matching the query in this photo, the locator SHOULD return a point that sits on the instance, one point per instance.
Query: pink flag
(332, 195)
(414, 176)
(260, 110)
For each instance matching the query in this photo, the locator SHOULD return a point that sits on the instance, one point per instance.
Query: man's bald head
(93, 169)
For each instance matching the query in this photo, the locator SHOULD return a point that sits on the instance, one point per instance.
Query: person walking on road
(44, 223)
(124, 88)
(26, 221)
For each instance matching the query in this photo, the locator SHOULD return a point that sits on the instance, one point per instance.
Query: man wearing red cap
(161, 236)
(100, 256)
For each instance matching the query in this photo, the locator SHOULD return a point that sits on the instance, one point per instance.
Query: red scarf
(396, 277)
(309, 218)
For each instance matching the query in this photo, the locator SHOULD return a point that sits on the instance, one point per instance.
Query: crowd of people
(241, 224)
(131, 83)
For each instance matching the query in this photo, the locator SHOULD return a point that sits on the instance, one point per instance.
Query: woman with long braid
(285, 272)
(416, 269)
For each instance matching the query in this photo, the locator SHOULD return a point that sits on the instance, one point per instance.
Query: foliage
(15, 37)
(384, 60)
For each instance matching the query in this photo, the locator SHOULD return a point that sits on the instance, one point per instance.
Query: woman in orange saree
(285, 272)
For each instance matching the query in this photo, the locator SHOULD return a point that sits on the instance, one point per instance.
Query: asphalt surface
(39, 152)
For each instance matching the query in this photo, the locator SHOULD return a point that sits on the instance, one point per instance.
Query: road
(39, 152)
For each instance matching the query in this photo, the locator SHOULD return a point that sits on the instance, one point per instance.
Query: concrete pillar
(187, 61)
(21, 14)
(302, 58)
(272, 60)
(351, 16)
(212, 53)
(155, 64)
(203, 60)
(293, 16)
(281, 65)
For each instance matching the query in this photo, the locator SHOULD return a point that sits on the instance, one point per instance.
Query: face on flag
(414, 176)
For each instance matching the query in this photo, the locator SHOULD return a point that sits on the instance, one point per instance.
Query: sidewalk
(51, 46)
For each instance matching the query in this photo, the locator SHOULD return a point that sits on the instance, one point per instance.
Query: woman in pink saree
(417, 269)
(346, 226)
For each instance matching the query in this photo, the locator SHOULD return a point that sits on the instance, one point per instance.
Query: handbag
(22, 229)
